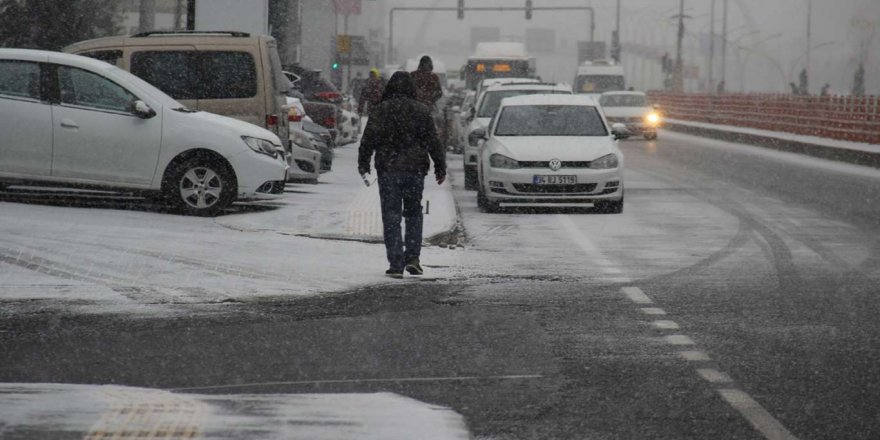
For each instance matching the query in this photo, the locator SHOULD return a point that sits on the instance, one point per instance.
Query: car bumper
(260, 177)
(517, 187)
(638, 128)
(304, 164)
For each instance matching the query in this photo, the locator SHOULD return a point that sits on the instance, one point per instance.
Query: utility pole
(678, 74)
(809, 22)
(723, 82)
(616, 48)
(147, 16)
(711, 85)
(190, 15)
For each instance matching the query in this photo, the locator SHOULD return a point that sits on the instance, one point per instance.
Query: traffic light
(461, 9)
(528, 9)
(335, 65)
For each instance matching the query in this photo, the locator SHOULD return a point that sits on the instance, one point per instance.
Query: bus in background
(599, 76)
(497, 60)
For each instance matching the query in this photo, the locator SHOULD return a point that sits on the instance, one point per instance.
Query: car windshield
(550, 120)
(493, 98)
(623, 101)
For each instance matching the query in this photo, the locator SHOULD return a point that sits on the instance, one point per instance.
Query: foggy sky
(766, 38)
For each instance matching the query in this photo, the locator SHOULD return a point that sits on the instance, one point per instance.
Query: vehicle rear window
(492, 101)
(20, 79)
(198, 75)
(623, 101)
(550, 120)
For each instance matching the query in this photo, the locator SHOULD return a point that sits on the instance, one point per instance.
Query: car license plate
(554, 180)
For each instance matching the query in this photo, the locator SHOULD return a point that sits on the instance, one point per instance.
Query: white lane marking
(765, 423)
(585, 243)
(344, 381)
(694, 356)
(665, 325)
(636, 295)
(714, 376)
(653, 311)
(679, 340)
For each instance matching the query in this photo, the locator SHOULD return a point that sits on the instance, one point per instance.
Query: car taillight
(329, 122)
(294, 116)
(271, 121)
(329, 96)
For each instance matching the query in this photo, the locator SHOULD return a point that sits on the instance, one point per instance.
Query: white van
(597, 77)
(75, 121)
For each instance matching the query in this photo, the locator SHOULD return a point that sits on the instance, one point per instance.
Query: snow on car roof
(548, 99)
(528, 86)
(500, 49)
(625, 92)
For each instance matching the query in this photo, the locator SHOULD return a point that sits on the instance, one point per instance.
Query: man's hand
(440, 178)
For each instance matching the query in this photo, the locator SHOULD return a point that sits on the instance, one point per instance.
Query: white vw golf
(551, 150)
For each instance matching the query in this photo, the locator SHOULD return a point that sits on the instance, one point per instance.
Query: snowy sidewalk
(93, 412)
(851, 152)
(345, 208)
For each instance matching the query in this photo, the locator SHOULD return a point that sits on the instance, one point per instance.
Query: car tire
(470, 178)
(610, 206)
(199, 186)
(651, 137)
(486, 205)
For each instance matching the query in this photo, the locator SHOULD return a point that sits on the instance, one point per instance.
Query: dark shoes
(414, 268)
(394, 273)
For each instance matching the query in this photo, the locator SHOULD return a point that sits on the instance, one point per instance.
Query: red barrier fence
(849, 118)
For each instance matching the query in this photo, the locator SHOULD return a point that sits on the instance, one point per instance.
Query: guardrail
(848, 118)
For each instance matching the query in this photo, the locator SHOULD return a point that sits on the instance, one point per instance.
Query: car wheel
(651, 137)
(470, 178)
(200, 186)
(485, 204)
(610, 206)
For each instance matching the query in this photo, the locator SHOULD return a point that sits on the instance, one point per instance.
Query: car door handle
(68, 123)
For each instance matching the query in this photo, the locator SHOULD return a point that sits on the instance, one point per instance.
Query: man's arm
(368, 146)
(435, 147)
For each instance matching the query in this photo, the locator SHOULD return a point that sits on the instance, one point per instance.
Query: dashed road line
(750, 409)
(765, 423)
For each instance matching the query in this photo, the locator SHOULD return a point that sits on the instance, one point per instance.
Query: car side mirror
(619, 131)
(142, 110)
(477, 136)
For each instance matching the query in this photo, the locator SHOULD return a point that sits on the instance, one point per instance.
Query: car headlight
(502, 161)
(605, 162)
(303, 140)
(261, 145)
(652, 118)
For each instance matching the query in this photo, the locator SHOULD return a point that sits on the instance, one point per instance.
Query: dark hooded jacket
(401, 133)
(428, 89)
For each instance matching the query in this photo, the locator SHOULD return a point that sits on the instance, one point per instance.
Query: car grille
(554, 189)
(546, 164)
(625, 120)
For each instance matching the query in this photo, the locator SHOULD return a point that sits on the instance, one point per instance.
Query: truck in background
(599, 76)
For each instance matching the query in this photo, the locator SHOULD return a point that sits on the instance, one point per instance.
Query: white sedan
(551, 150)
(68, 120)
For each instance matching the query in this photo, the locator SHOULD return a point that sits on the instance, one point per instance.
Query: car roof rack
(173, 33)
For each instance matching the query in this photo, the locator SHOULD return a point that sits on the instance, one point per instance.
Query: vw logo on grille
(555, 164)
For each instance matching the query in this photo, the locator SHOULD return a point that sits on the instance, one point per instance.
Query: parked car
(349, 128)
(633, 110)
(228, 73)
(313, 85)
(324, 113)
(304, 158)
(550, 150)
(74, 121)
(486, 107)
(322, 140)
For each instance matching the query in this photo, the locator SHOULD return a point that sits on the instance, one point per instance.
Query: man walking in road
(371, 93)
(401, 134)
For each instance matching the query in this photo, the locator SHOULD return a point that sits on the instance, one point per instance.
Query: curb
(855, 157)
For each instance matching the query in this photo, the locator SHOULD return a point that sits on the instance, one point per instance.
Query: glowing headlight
(652, 118)
(261, 145)
(605, 162)
(502, 161)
